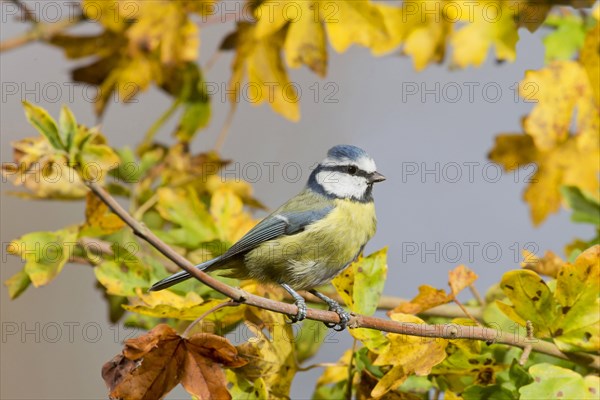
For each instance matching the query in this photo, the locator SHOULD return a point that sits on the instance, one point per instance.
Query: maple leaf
(98, 220)
(483, 29)
(45, 254)
(429, 297)
(259, 61)
(422, 34)
(568, 314)
(562, 158)
(270, 357)
(151, 365)
(141, 42)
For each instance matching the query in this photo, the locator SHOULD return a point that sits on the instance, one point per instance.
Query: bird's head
(348, 172)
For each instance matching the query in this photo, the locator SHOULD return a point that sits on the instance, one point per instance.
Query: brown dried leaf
(153, 364)
(202, 376)
(548, 265)
(459, 278)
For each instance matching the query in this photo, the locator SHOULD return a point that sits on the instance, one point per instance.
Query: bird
(312, 237)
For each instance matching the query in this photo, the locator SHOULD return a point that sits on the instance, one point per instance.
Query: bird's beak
(376, 177)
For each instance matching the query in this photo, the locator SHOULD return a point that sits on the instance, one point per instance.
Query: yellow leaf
(167, 304)
(408, 355)
(260, 61)
(352, 22)
(531, 299)
(562, 158)
(558, 90)
(305, 41)
(113, 14)
(491, 23)
(231, 220)
(164, 27)
(98, 219)
(270, 358)
(427, 298)
(589, 56)
(459, 278)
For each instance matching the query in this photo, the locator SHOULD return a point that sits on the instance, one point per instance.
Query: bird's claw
(301, 314)
(344, 318)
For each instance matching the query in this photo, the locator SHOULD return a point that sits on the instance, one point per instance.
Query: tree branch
(446, 331)
(40, 31)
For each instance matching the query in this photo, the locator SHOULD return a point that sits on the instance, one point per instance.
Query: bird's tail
(180, 276)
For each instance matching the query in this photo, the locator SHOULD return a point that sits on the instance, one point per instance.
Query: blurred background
(443, 203)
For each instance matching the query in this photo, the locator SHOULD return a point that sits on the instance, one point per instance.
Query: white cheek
(342, 185)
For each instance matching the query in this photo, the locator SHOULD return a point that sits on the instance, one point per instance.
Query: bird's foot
(301, 314)
(343, 314)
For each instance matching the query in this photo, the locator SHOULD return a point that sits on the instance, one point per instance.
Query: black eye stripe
(344, 169)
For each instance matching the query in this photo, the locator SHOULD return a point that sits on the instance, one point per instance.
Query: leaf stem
(527, 349)
(229, 303)
(225, 129)
(149, 136)
(444, 331)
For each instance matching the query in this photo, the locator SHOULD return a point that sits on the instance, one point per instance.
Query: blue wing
(275, 225)
(272, 227)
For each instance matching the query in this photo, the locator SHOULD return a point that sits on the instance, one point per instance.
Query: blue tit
(310, 239)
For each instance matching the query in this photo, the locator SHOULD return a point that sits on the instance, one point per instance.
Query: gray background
(63, 336)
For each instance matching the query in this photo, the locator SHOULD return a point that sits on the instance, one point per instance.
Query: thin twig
(528, 347)
(480, 300)
(229, 303)
(28, 15)
(139, 213)
(40, 31)
(466, 312)
(444, 331)
(391, 302)
(226, 125)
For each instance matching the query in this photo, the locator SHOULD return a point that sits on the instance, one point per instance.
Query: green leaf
(17, 284)
(364, 363)
(530, 299)
(309, 339)
(241, 388)
(183, 208)
(44, 123)
(119, 279)
(360, 286)
(68, 127)
(96, 160)
(567, 38)
(196, 115)
(490, 392)
(585, 207)
(552, 382)
(45, 254)
(518, 375)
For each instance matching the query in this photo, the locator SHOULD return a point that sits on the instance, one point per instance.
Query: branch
(446, 331)
(40, 31)
(28, 15)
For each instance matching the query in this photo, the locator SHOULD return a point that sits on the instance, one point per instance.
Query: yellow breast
(316, 255)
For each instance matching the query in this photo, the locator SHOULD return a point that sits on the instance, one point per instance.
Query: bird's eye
(352, 169)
